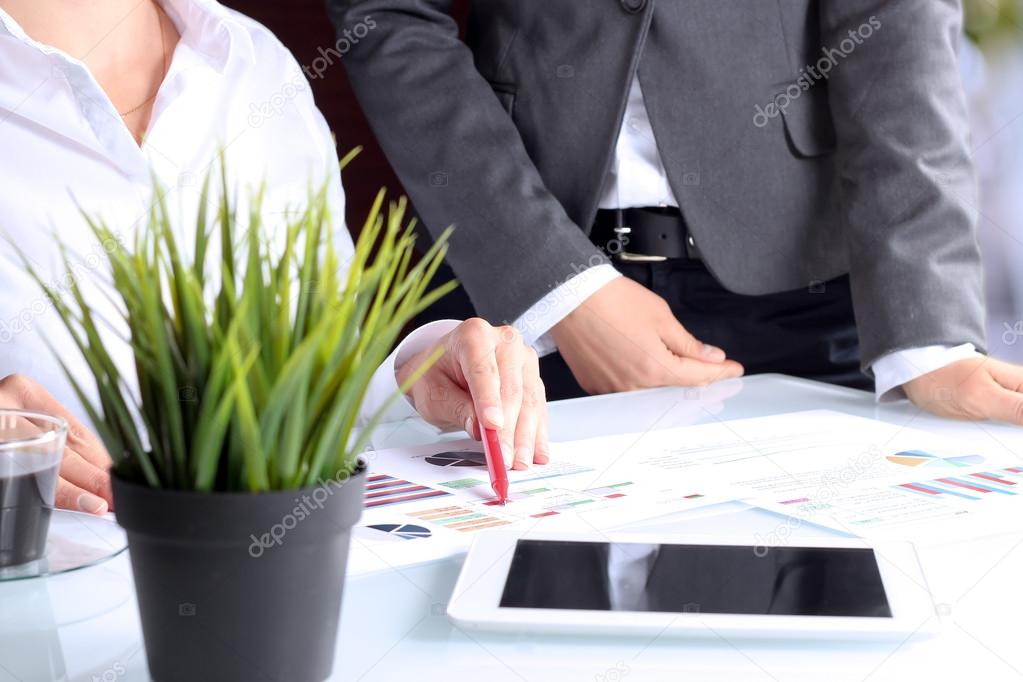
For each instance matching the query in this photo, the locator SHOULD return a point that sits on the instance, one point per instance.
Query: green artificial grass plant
(251, 370)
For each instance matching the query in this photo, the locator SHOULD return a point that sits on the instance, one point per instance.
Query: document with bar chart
(856, 475)
(773, 456)
(429, 502)
(934, 506)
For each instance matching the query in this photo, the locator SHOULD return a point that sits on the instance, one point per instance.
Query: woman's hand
(486, 374)
(84, 483)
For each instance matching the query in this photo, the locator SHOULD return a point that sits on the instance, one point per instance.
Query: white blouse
(231, 85)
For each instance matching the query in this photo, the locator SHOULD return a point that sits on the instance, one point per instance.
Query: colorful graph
(558, 501)
(568, 501)
(463, 483)
(917, 458)
(553, 471)
(404, 531)
(612, 491)
(457, 459)
(460, 518)
(383, 490)
(516, 495)
(971, 486)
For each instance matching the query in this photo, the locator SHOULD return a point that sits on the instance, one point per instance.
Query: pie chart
(404, 531)
(918, 458)
(458, 459)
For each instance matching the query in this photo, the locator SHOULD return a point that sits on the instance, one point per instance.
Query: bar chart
(383, 490)
(461, 518)
(973, 486)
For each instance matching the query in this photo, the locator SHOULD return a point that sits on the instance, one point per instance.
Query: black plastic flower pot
(236, 586)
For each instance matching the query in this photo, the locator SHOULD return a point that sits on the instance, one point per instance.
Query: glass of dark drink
(31, 446)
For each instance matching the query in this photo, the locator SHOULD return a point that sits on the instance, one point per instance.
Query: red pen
(495, 464)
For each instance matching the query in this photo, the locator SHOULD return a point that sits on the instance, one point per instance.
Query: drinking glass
(31, 446)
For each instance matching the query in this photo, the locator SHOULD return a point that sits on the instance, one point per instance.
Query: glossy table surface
(84, 625)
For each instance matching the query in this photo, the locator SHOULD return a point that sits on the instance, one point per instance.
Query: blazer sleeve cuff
(535, 324)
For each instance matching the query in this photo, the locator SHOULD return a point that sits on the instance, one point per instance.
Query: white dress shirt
(628, 568)
(231, 85)
(637, 178)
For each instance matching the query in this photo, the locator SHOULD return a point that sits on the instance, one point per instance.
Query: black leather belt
(643, 234)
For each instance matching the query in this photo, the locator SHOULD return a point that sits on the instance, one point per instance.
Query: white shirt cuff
(384, 384)
(535, 324)
(895, 369)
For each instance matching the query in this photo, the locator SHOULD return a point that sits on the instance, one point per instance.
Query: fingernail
(88, 502)
(712, 353)
(468, 425)
(495, 416)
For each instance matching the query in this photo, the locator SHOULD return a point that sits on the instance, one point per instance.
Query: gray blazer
(785, 178)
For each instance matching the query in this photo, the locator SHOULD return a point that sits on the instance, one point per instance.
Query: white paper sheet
(846, 473)
(429, 502)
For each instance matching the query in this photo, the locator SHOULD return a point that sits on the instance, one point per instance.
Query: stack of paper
(850, 474)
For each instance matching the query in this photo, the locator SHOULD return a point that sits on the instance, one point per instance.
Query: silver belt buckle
(627, 257)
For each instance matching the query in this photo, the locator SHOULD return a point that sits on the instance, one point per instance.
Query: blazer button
(633, 6)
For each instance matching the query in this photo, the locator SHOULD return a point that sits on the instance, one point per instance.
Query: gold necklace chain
(163, 49)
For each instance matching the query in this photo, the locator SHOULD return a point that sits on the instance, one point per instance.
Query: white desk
(84, 625)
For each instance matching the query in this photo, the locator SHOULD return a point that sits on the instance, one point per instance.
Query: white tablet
(625, 584)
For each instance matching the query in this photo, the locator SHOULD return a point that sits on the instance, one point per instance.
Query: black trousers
(808, 332)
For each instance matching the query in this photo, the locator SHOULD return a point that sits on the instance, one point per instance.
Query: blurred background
(992, 67)
(991, 61)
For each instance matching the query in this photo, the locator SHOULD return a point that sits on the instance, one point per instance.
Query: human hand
(625, 337)
(84, 483)
(486, 373)
(975, 388)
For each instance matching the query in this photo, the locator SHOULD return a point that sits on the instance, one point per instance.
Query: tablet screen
(791, 581)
